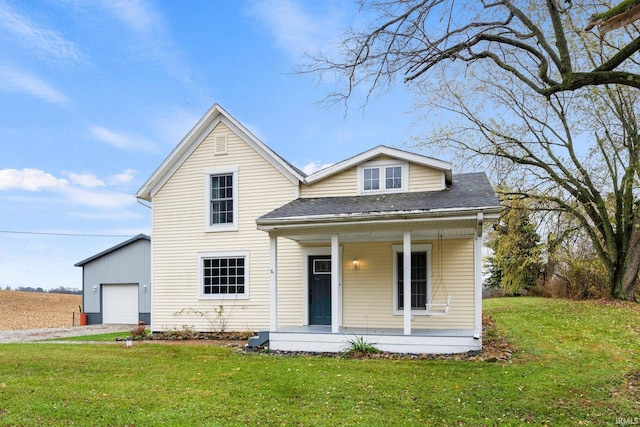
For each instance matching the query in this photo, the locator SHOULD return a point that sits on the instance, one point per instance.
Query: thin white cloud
(13, 80)
(81, 189)
(29, 180)
(31, 36)
(152, 41)
(109, 200)
(125, 177)
(312, 167)
(296, 28)
(172, 125)
(85, 180)
(119, 215)
(119, 140)
(138, 16)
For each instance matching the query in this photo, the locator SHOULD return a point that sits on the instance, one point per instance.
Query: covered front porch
(322, 339)
(385, 325)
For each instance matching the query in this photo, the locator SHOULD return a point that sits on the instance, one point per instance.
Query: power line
(42, 233)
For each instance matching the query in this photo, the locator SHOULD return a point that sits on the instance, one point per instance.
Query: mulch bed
(495, 347)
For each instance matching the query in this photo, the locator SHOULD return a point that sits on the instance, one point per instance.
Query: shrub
(359, 346)
(578, 278)
(140, 331)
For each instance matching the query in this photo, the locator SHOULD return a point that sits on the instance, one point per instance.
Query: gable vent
(220, 145)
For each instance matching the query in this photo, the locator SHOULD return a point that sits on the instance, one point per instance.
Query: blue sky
(95, 94)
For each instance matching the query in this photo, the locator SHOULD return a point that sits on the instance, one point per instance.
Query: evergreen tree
(516, 250)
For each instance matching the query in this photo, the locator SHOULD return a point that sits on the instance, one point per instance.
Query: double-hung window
(382, 177)
(224, 275)
(221, 199)
(420, 278)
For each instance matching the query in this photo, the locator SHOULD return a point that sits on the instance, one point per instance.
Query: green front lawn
(577, 363)
(109, 337)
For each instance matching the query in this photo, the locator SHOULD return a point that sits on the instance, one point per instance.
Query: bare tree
(555, 105)
(530, 40)
(577, 154)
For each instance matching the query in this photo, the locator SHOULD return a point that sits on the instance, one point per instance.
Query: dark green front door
(320, 290)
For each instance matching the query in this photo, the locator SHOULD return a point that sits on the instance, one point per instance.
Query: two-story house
(242, 239)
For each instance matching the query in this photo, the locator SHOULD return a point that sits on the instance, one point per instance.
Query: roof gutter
(459, 214)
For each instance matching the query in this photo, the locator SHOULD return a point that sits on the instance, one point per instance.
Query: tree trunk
(624, 285)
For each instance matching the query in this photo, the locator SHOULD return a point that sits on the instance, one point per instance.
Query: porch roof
(468, 192)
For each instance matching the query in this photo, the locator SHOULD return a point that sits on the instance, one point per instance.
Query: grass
(113, 336)
(578, 363)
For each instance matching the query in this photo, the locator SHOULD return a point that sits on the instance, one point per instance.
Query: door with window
(319, 290)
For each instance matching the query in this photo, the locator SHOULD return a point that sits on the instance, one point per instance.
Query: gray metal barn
(116, 283)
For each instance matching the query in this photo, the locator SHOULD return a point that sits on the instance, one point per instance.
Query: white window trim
(223, 254)
(207, 199)
(426, 247)
(381, 165)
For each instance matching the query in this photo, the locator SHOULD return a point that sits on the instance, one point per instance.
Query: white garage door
(120, 304)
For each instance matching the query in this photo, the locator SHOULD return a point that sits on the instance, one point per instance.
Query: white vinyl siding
(340, 184)
(368, 293)
(178, 237)
(422, 178)
(345, 183)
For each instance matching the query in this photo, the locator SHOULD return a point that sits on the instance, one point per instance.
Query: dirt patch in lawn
(32, 310)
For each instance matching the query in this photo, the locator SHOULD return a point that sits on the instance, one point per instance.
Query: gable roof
(113, 249)
(470, 191)
(381, 150)
(196, 135)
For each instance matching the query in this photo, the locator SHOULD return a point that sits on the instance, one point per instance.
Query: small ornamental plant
(359, 346)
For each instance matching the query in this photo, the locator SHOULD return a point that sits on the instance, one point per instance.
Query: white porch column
(406, 274)
(478, 244)
(273, 283)
(335, 285)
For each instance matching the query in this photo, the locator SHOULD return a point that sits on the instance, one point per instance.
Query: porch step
(261, 339)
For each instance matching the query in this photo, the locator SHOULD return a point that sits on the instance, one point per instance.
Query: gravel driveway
(31, 335)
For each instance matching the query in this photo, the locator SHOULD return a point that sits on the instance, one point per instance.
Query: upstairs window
(393, 177)
(382, 177)
(371, 179)
(221, 199)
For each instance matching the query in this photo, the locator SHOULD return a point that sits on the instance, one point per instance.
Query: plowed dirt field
(30, 310)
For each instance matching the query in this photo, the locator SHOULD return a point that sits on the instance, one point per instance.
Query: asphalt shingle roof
(470, 190)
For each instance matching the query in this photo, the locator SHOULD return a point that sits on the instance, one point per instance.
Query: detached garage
(116, 283)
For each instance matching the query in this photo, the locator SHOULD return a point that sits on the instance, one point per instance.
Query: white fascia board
(457, 214)
(196, 135)
(274, 159)
(176, 154)
(380, 150)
